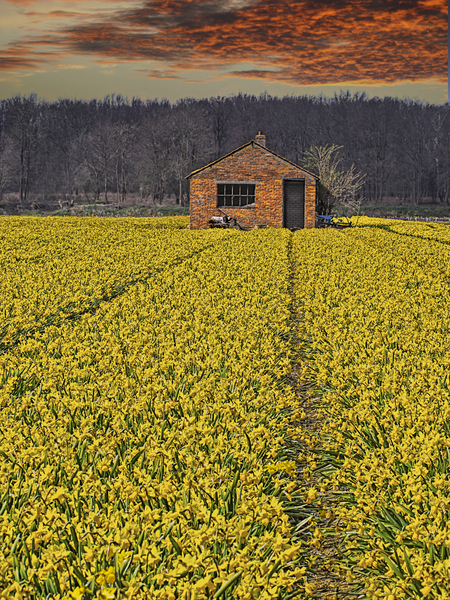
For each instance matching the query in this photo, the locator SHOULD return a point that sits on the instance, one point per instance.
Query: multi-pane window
(235, 194)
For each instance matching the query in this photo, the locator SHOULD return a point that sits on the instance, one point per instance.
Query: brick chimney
(260, 139)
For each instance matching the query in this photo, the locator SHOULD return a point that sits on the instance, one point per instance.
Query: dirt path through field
(326, 579)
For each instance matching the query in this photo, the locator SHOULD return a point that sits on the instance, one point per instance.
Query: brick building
(256, 186)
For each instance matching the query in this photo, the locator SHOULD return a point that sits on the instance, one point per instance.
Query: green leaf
(227, 584)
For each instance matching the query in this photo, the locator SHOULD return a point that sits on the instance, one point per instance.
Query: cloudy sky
(199, 48)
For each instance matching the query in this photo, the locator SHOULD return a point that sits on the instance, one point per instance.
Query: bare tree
(100, 154)
(6, 163)
(25, 128)
(124, 142)
(188, 145)
(154, 162)
(440, 157)
(336, 186)
(219, 112)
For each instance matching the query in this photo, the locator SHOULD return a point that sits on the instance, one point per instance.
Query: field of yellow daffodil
(375, 324)
(146, 420)
(422, 229)
(144, 411)
(55, 272)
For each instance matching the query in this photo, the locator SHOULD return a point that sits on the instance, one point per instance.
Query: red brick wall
(251, 164)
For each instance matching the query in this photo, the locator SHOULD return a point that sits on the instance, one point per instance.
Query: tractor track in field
(326, 578)
(64, 314)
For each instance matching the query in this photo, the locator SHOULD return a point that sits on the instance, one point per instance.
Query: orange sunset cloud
(297, 42)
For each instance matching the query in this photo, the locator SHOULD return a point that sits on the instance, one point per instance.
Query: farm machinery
(332, 221)
(224, 221)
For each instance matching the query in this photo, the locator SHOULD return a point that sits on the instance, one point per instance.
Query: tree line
(108, 149)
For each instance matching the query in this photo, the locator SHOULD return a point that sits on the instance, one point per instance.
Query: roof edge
(218, 160)
(252, 143)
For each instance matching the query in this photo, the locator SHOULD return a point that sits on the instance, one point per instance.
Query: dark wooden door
(294, 204)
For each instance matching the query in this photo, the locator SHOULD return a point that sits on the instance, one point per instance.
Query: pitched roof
(255, 145)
